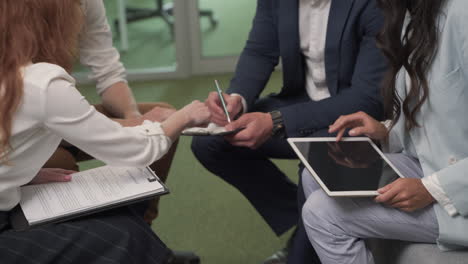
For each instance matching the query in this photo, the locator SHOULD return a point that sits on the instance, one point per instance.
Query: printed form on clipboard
(89, 192)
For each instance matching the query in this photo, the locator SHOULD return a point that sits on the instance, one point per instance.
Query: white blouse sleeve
(434, 187)
(68, 115)
(96, 47)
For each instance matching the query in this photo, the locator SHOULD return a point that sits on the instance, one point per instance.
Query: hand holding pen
(233, 105)
(223, 103)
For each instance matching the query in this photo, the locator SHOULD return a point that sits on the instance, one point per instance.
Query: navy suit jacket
(354, 65)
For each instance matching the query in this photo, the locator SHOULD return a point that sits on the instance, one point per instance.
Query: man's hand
(258, 129)
(233, 105)
(47, 175)
(405, 194)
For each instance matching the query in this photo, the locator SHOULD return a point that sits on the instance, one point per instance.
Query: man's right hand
(233, 105)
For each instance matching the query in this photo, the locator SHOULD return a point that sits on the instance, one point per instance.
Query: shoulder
(41, 75)
(93, 10)
(457, 10)
(454, 17)
(459, 6)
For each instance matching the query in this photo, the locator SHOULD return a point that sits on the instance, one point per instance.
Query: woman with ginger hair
(39, 108)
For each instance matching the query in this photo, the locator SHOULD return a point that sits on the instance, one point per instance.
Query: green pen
(220, 94)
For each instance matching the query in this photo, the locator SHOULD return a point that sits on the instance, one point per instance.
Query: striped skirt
(115, 236)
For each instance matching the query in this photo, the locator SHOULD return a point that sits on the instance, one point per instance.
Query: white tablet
(350, 167)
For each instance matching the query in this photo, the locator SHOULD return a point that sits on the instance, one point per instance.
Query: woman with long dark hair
(39, 107)
(426, 99)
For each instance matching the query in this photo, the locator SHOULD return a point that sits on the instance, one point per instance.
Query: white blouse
(52, 109)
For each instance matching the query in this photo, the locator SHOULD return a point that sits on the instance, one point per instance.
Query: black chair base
(165, 12)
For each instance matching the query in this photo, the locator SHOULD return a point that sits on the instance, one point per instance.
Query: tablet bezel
(291, 142)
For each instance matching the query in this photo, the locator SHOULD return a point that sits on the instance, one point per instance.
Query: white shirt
(96, 48)
(51, 110)
(313, 23)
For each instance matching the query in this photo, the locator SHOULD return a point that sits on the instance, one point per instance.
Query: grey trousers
(337, 227)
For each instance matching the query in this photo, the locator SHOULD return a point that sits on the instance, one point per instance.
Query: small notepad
(211, 130)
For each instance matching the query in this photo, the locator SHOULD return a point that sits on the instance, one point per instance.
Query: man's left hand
(258, 129)
(405, 194)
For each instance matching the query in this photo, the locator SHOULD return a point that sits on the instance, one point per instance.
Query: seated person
(40, 107)
(425, 95)
(118, 103)
(331, 67)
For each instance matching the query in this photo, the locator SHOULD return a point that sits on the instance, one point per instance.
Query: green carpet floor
(203, 213)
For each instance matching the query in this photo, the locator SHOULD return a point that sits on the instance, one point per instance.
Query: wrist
(184, 116)
(277, 123)
(132, 114)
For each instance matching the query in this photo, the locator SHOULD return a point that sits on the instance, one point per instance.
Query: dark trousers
(267, 188)
(115, 236)
(301, 250)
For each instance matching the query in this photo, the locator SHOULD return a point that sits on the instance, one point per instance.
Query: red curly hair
(32, 31)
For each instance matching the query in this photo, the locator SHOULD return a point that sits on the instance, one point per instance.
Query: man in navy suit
(331, 67)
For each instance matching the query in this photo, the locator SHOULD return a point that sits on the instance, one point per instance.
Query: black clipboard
(18, 221)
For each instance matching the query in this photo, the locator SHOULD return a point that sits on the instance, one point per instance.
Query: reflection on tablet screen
(347, 165)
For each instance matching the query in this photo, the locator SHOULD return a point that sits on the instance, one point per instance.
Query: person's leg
(115, 236)
(300, 250)
(62, 158)
(337, 227)
(268, 189)
(162, 166)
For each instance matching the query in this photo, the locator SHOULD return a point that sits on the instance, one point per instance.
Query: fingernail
(67, 177)
(352, 132)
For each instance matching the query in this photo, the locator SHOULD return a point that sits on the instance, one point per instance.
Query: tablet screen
(347, 165)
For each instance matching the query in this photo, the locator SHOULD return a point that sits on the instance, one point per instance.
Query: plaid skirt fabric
(115, 236)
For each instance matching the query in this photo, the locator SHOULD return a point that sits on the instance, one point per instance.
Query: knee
(63, 159)
(207, 149)
(309, 184)
(321, 212)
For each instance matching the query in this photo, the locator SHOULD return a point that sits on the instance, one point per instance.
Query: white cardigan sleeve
(68, 115)
(96, 47)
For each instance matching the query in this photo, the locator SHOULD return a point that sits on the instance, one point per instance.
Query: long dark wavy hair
(413, 49)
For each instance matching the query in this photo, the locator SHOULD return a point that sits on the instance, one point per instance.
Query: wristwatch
(278, 124)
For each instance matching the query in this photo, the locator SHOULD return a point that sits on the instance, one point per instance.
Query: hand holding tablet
(350, 167)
